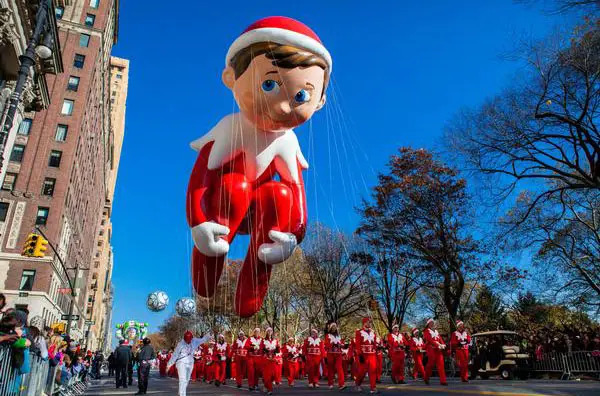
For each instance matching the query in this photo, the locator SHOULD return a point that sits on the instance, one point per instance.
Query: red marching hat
(280, 30)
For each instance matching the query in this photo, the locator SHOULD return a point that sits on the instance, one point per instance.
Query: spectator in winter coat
(122, 359)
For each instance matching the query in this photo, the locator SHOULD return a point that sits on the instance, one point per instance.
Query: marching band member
(435, 352)
(278, 367)
(366, 348)
(240, 357)
(163, 358)
(291, 355)
(209, 358)
(255, 359)
(270, 347)
(417, 347)
(397, 345)
(198, 370)
(314, 352)
(459, 342)
(333, 347)
(346, 357)
(221, 353)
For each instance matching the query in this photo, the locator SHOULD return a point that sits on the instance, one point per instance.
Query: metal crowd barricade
(40, 380)
(583, 362)
(552, 362)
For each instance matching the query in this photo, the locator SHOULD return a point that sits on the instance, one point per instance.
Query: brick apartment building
(58, 174)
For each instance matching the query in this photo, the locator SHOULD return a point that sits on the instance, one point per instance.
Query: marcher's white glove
(207, 239)
(280, 250)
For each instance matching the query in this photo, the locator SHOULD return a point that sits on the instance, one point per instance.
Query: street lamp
(44, 51)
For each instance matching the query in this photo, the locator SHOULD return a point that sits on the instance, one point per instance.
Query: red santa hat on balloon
(280, 30)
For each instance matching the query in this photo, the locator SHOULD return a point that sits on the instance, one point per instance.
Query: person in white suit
(183, 358)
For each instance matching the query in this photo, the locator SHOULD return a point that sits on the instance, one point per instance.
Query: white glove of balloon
(280, 250)
(207, 239)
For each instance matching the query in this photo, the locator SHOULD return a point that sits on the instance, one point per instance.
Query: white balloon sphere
(185, 307)
(157, 301)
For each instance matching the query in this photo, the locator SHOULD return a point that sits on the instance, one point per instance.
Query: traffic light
(30, 244)
(40, 247)
(35, 246)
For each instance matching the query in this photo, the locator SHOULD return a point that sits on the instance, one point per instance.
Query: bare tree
(543, 129)
(394, 284)
(566, 235)
(334, 278)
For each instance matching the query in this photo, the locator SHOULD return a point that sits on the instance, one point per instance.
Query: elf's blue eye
(302, 96)
(270, 86)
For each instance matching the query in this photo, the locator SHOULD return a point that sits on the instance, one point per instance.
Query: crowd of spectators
(66, 358)
(568, 340)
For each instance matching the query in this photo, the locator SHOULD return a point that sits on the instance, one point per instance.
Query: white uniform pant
(184, 370)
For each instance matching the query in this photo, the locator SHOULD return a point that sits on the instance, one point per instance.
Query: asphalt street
(168, 386)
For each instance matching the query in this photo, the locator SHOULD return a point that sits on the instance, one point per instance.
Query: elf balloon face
(248, 175)
(276, 98)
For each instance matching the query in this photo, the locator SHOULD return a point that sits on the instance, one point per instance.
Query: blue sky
(400, 72)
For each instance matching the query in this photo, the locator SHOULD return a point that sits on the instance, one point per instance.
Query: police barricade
(39, 380)
(552, 362)
(583, 362)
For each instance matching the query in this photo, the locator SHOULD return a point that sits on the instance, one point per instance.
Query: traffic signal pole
(71, 283)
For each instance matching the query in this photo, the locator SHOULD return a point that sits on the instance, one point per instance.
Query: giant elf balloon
(131, 331)
(247, 178)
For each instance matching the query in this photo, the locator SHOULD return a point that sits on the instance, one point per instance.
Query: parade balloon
(131, 331)
(157, 301)
(185, 307)
(247, 178)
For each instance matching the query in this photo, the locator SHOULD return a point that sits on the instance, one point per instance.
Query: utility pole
(73, 298)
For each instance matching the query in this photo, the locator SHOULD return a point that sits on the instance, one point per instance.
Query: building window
(94, 3)
(119, 76)
(48, 187)
(42, 216)
(17, 153)
(25, 126)
(55, 157)
(9, 181)
(84, 40)
(27, 280)
(59, 12)
(3, 211)
(90, 19)
(79, 61)
(73, 84)
(61, 133)
(67, 107)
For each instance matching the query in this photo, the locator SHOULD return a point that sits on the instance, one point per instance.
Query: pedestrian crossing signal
(35, 246)
(30, 243)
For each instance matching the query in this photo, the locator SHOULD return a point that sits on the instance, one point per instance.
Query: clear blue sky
(400, 72)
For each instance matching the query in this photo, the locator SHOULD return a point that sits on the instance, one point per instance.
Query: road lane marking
(465, 391)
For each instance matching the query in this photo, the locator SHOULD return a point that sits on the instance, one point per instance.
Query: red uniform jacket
(221, 351)
(239, 350)
(396, 343)
(333, 344)
(209, 354)
(291, 353)
(417, 344)
(254, 347)
(269, 348)
(433, 340)
(460, 340)
(366, 342)
(313, 347)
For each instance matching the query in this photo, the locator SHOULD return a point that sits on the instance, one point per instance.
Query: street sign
(90, 322)
(66, 317)
(23, 294)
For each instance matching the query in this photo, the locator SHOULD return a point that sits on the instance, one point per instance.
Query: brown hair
(286, 56)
